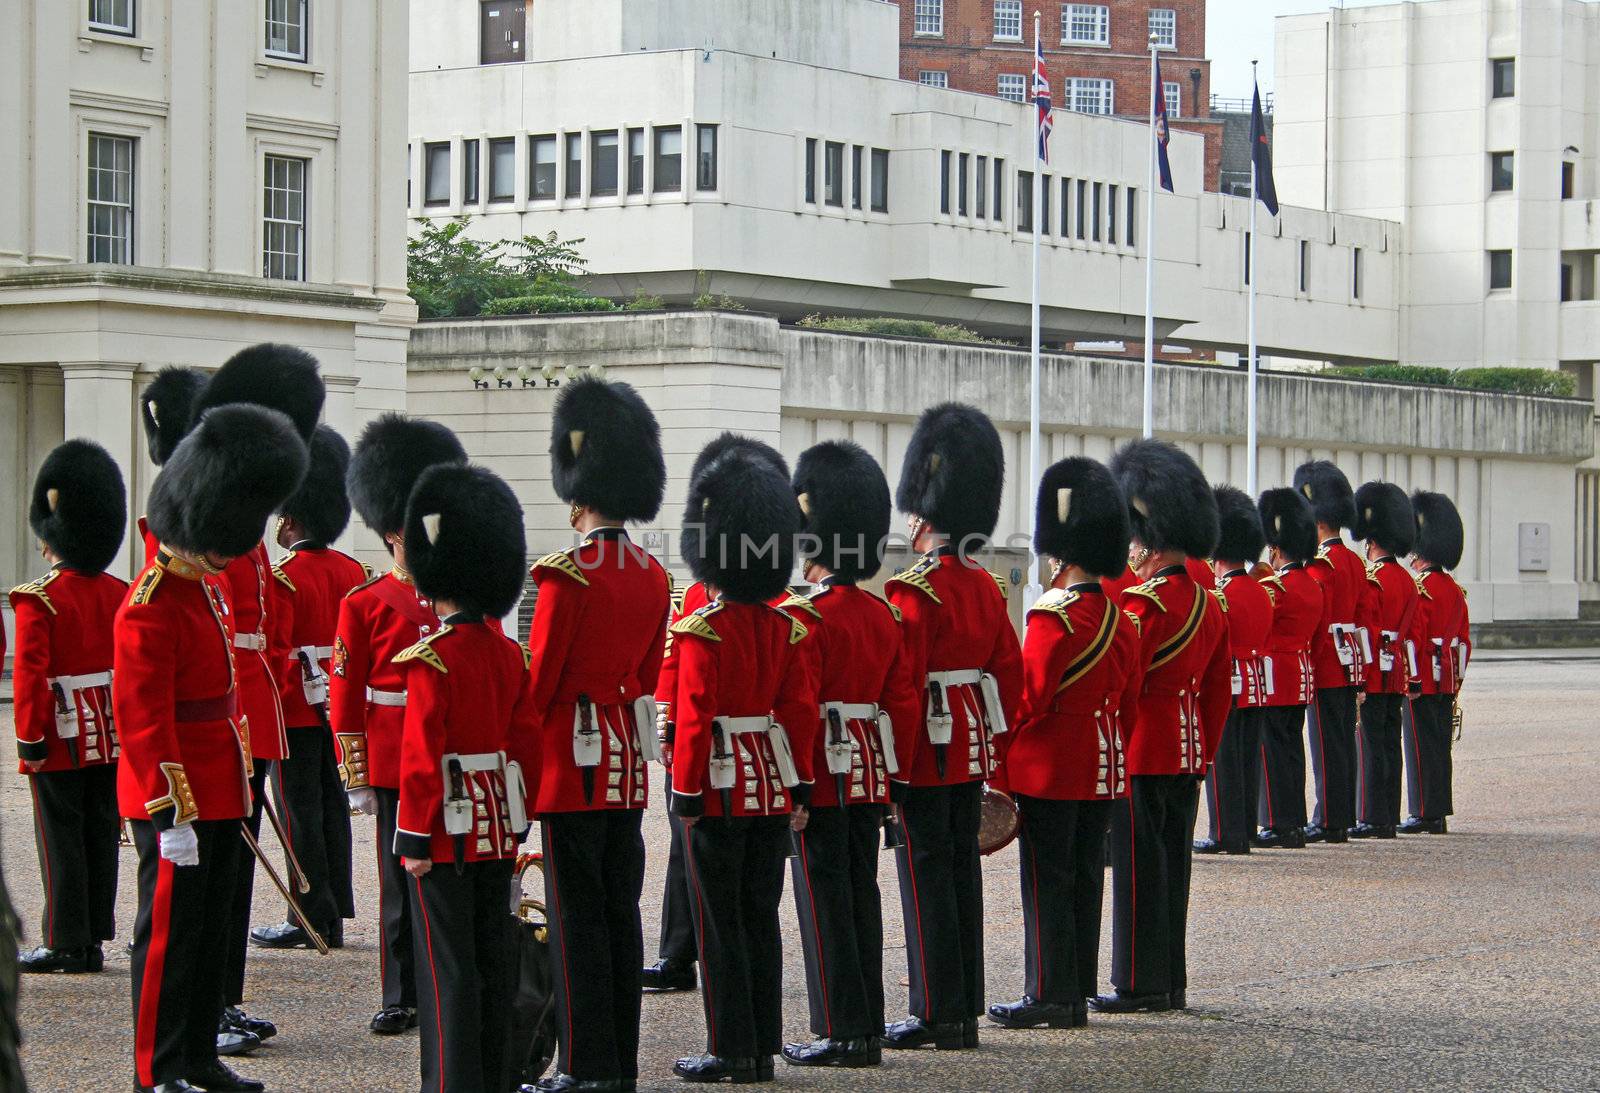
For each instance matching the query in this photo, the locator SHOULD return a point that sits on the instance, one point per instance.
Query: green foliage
(548, 304)
(1518, 381)
(707, 302)
(450, 274)
(641, 302)
(898, 328)
(1395, 373)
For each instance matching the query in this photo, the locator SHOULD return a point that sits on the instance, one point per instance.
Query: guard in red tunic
(183, 779)
(1233, 781)
(469, 735)
(366, 689)
(1183, 703)
(1299, 613)
(61, 680)
(1441, 645)
(1337, 653)
(746, 713)
(1064, 759)
(598, 634)
(967, 663)
(310, 794)
(1385, 520)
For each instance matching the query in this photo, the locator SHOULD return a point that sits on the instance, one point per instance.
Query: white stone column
(98, 400)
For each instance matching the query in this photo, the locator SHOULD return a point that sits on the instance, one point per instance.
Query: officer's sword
(297, 874)
(283, 890)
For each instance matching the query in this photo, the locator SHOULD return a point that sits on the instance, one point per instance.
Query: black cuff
(686, 804)
(408, 844)
(897, 791)
(801, 793)
(33, 751)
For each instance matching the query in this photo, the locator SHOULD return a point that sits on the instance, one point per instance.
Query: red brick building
(1098, 55)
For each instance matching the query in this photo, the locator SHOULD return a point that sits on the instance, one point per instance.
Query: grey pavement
(1470, 961)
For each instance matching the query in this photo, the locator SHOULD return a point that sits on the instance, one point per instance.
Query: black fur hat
(1241, 539)
(844, 498)
(605, 450)
(740, 524)
(1170, 504)
(1325, 486)
(279, 377)
(234, 469)
(954, 473)
(465, 540)
(1082, 519)
(724, 442)
(166, 406)
(1441, 538)
(1383, 516)
(1289, 524)
(390, 456)
(321, 506)
(80, 508)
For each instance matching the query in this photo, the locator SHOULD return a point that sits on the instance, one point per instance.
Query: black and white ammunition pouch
(723, 767)
(395, 699)
(313, 680)
(67, 689)
(1386, 643)
(840, 756)
(1414, 671)
(644, 728)
(588, 743)
(1365, 637)
(459, 810)
(940, 723)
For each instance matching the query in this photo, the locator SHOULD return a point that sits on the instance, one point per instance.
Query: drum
(998, 822)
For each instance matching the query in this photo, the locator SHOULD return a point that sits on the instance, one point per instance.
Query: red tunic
(184, 744)
(1343, 576)
(1394, 606)
(1440, 635)
(599, 633)
(260, 605)
(1249, 608)
(956, 620)
(1297, 615)
(64, 634)
(317, 579)
(1080, 691)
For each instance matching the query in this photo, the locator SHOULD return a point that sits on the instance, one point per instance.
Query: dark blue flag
(1163, 132)
(1261, 155)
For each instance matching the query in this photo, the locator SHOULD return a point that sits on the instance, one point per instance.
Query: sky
(1238, 31)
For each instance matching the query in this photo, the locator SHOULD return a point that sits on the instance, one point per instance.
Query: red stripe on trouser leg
(816, 931)
(556, 911)
(916, 902)
(1038, 948)
(383, 956)
(700, 931)
(1266, 779)
(44, 859)
(155, 961)
(433, 969)
(1422, 766)
(1133, 901)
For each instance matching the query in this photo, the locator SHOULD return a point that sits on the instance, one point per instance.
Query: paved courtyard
(1469, 961)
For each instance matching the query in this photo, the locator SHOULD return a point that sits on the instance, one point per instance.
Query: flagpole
(1150, 261)
(1035, 587)
(1250, 441)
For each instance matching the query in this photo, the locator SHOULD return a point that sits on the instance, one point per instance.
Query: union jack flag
(1041, 98)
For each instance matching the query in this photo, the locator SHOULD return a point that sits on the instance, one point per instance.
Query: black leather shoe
(563, 1082)
(1365, 830)
(1416, 825)
(1236, 848)
(714, 1068)
(766, 1068)
(1131, 1003)
(1029, 1012)
(859, 1051)
(43, 960)
(178, 1085)
(393, 1020)
(1334, 837)
(235, 1018)
(334, 935)
(1270, 838)
(914, 1032)
(1178, 1000)
(1315, 833)
(285, 935)
(669, 975)
(218, 1077)
(232, 1041)
(94, 958)
(1201, 846)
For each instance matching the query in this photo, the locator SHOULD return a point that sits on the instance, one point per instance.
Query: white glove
(364, 801)
(180, 845)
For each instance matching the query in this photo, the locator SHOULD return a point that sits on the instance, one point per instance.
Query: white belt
(486, 760)
(957, 677)
(386, 698)
(738, 726)
(254, 642)
(852, 711)
(315, 652)
(74, 684)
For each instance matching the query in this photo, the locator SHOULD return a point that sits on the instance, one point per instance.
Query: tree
(450, 274)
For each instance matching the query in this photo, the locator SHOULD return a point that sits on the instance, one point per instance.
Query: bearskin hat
(234, 469)
(1081, 517)
(1241, 538)
(1325, 486)
(844, 498)
(740, 524)
(1441, 538)
(321, 506)
(724, 442)
(80, 508)
(465, 540)
(279, 377)
(1289, 524)
(390, 456)
(605, 450)
(166, 406)
(1170, 504)
(1383, 516)
(954, 473)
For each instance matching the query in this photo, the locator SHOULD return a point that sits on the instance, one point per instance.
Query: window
(1172, 91)
(1083, 204)
(636, 161)
(1305, 266)
(603, 164)
(574, 169)
(856, 154)
(1568, 180)
(1133, 219)
(469, 172)
(705, 158)
(669, 160)
(111, 16)
(542, 168)
(1046, 183)
(928, 17)
(1503, 73)
(1090, 96)
(283, 219)
(1066, 208)
(503, 168)
(1164, 27)
(1008, 20)
(880, 180)
(1501, 172)
(980, 188)
(1013, 87)
(999, 195)
(110, 193)
(944, 183)
(1247, 258)
(1094, 225)
(811, 170)
(961, 184)
(930, 77)
(1111, 214)
(1355, 273)
(1025, 201)
(833, 174)
(436, 173)
(286, 29)
(1499, 269)
(1085, 24)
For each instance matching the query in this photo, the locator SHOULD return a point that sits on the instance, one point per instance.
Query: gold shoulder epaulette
(37, 588)
(1420, 579)
(1459, 585)
(698, 622)
(893, 610)
(1222, 599)
(1272, 580)
(800, 603)
(562, 562)
(1000, 583)
(366, 573)
(283, 578)
(1056, 602)
(917, 577)
(1148, 591)
(1138, 623)
(527, 657)
(368, 583)
(146, 587)
(1373, 569)
(677, 601)
(425, 652)
(797, 630)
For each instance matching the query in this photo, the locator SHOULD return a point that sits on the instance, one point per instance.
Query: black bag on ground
(532, 1033)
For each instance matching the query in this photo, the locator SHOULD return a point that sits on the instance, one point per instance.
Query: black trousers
(1331, 728)
(1234, 781)
(316, 812)
(1151, 850)
(735, 868)
(941, 897)
(1063, 879)
(1282, 805)
(841, 920)
(179, 950)
(76, 829)
(397, 965)
(461, 927)
(1378, 790)
(593, 874)
(244, 891)
(677, 922)
(1427, 741)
